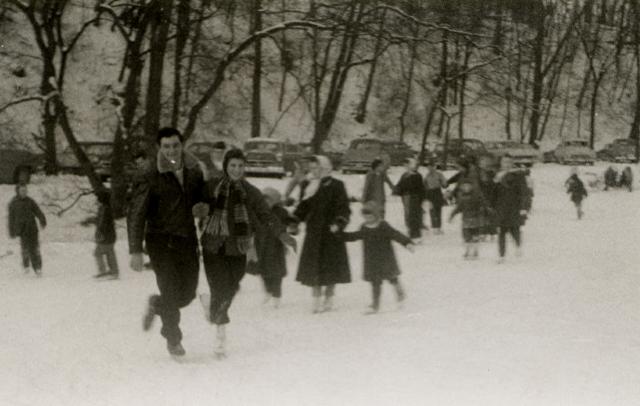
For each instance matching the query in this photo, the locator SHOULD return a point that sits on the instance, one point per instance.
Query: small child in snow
(271, 262)
(472, 205)
(105, 239)
(576, 189)
(379, 259)
(23, 212)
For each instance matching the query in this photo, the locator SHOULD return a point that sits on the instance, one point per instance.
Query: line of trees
(402, 67)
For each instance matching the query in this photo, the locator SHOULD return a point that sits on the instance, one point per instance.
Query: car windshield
(264, 146)
(396, 145)
(369, 145)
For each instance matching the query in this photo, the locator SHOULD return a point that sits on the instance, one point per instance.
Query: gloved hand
(289, 241)
(200, 210)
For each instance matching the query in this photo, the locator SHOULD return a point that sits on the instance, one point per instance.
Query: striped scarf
(216, 231)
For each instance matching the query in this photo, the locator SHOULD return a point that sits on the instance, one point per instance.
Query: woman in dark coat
(236, 207)
(576, 190)
(324, 261)
(411, 188)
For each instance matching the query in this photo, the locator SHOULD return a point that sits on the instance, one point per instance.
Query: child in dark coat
(379, 259)
(271, 262)
(577, 191)
(23, 212)
(105, 239)
(474, 208)
(626, 179)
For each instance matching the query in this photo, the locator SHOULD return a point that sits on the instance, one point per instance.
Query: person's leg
(224, 274)
(316, 292)
(165, 263)
(329, 292)
(502, 242)
(376, 291)
(112, 260)
(24, 251)
(517, 238)
(400, 293)
(98, 254)
(34, 255)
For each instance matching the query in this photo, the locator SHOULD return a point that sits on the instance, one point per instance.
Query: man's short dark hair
(376, 163)
(167, 132)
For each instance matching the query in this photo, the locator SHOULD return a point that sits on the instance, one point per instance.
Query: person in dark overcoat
(411, 188)
(379, 258)
(626, 178)
(323, 260)
(236, 208)
(374, 183)
(434, 182)
(23, 212)
(610, 178)
(105, 238)
(576, 190)
(160, 214)
(270, 262)
(509, 205)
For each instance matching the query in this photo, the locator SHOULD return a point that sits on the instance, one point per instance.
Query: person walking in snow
(160, 213)
(576, 190)
(379, 258)
(509, 204)
(473, 206)
(411, 188)
(23, 212)
(236, 208)
(323, 259)
(434, 182)
(299, 179)
(610, 178)
(374, 184)
(105, 238)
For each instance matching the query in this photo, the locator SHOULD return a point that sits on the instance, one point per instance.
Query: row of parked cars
(273, 157)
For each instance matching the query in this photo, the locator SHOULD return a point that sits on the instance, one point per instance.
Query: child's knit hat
(272, 194)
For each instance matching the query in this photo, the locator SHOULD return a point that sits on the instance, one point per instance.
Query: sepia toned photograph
(319, 203)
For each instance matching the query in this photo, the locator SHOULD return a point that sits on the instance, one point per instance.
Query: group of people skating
(181, 210)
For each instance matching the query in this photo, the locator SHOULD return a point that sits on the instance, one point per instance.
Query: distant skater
(472, 205)
(576, 191)
(23, 212)
(105, 238)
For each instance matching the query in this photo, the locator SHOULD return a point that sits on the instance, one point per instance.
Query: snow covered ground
(559, 326)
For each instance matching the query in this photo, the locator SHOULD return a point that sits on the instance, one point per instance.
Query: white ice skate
(219, 350)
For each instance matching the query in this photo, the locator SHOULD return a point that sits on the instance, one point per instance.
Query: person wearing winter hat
(237, 209)
(379, 258)
(325, 208)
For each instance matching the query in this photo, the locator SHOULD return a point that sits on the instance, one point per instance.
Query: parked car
(457, 148)
(17, 165)
(361, 153)
(398, 151)
(270, 157)
(523, 154)
(334, 156)
(622, 150)
(572, 152)
(201, 150)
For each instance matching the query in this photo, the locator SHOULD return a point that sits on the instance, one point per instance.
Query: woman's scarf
(230, 200)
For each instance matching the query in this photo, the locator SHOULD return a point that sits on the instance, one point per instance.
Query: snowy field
(558, 326)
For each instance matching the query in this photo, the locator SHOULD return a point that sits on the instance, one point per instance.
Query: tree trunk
(538, 80)
(407, 97)
(361, 113)
(182, 36)
(160, 22)
(257, 71)
(463, 88)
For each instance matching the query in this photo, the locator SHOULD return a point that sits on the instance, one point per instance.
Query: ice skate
(150, 313)
(205, 301)
(328, 304)
(219, 349)
(38, 272)
(372, 309)
(176, 350)
(518, 252)
(276, 303)
(317, 305)
(500, 261)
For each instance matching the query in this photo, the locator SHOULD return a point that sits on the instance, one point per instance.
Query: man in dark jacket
(23, 212)
(105, 237)
(161, 214)
(510, 196)
(411, 188)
